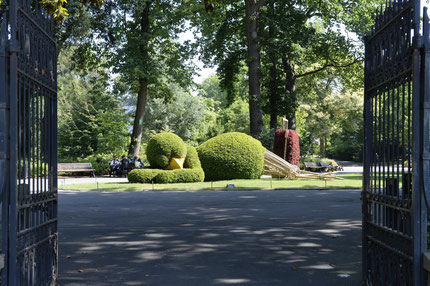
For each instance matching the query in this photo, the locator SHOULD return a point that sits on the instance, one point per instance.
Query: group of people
(123, 166)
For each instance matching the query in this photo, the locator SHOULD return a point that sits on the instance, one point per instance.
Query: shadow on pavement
(200, 238)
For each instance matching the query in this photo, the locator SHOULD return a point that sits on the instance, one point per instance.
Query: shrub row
(158, 176)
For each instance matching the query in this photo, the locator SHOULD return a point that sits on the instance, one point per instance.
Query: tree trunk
(290, 85)
(255, 111)
(136, 137)
(142, 96)
(273, 97)
(322, 147)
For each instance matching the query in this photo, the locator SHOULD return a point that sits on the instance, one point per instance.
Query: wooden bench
(336, 166)
(312, 166)
(76, 168)
(326, 166)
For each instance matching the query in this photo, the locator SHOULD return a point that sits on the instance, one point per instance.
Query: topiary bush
(232, 156)
(293, 146)
(180, 176)
(192, 160)
(143, 176)
(158, 176)
(163, 147)
(192, 173)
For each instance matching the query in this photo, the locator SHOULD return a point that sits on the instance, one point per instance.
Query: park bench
(326, 167)
(76, 168)
(336, 166)
(312, 166)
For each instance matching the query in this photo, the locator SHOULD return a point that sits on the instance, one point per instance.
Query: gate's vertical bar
(4, 152)
(366, 170)
(426, 124)
(54, 135)
(13, 70)
(416, 192)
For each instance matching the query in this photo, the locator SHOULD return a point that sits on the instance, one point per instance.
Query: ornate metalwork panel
(28, 94)
(394, 220)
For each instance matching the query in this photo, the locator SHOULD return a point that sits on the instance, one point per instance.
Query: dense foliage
(232, 156)
(91, 119)
(330, 118)
(163, 147)
(291, 150)
(100, 162)
(184, 116)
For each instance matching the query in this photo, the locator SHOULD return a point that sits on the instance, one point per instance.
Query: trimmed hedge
(192, 173)
(180, 176)
(192, 160)
(143, 176)
(158, 176)
(163, 147)
(293, 146)
(232, 156)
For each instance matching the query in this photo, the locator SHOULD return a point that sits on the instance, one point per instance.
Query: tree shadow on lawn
(245, 238)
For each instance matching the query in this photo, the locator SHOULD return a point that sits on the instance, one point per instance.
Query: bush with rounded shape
(232, 156)
(163, 147)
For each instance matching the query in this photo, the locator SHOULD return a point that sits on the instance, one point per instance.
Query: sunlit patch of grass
(351, 181)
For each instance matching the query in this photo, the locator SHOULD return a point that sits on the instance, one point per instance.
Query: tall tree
(306, 37)
(140, 39)
(298, 38)
(252, 8)
(230, 39)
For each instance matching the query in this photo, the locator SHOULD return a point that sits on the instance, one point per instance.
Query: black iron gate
(394, 209)
(28, 147)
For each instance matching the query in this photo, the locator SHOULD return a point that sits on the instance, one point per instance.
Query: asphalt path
(291, 237)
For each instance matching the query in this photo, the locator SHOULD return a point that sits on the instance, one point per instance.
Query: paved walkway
(294, 237)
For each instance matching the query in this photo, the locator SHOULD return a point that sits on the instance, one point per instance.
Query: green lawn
(350, 181)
